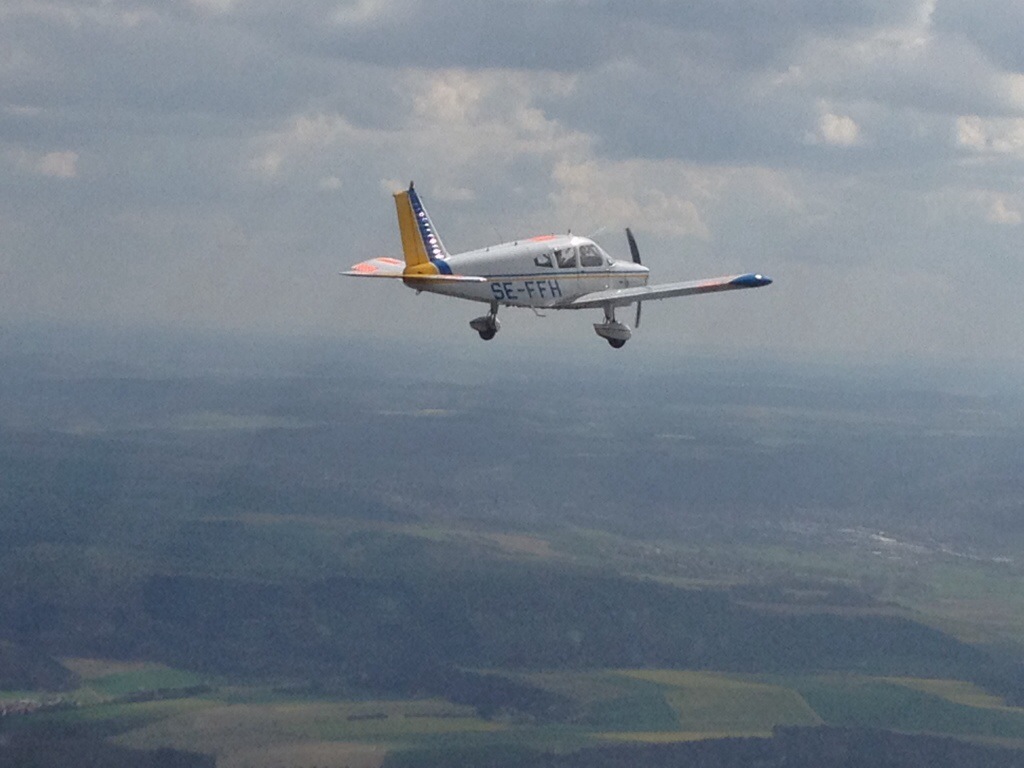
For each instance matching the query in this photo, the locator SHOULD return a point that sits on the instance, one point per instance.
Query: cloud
(215, 7)
(307, 136)
(330, 184)
(238, 151)
(1001, 212)
(970, 132)
(893, 76)
(994, 27)
(359, 13)
(991, 136)
(454, 123)
(621, 194)
(62, 165)
(59, 165)
(837, 130)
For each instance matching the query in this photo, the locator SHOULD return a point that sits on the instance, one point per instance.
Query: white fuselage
(547, 272)
(544, 272)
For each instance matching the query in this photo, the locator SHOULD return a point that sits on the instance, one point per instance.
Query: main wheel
(488, 334)
(617, 343)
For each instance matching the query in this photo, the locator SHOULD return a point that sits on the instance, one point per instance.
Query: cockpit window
(566, 257)
(544, 260)
(590, 256)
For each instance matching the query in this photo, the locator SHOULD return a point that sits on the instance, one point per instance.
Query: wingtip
(752, 280)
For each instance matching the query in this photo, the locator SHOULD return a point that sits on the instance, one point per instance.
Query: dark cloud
(160, 65)
(562, 36)
(675, 111)
(167, 66)
(751, 35)
(996, 27)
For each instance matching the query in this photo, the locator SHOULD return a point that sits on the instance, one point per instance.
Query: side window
(544, 260)
(566, 257)
(590, 256)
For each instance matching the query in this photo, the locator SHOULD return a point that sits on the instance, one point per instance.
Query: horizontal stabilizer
(385, 266)
(382, 266)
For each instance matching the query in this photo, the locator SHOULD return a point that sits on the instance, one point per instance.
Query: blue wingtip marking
(752, 280)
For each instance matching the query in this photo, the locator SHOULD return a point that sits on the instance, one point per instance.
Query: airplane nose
(763, 279)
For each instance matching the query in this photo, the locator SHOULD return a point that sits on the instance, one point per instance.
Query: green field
(709, 703)
(907, 706)
(252, 723)
(239, 724)
(956, 691)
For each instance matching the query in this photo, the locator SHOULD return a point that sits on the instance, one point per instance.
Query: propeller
(636, 260)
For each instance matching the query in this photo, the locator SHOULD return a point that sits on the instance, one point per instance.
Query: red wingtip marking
(366, 269)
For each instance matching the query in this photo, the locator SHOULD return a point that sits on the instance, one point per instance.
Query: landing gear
(616, 333)
(487, 325)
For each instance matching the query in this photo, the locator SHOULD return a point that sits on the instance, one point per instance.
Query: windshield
(591, 256)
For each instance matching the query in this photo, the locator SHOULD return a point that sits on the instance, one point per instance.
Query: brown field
(515, 544)
(365, 728)
(322, 754)
(91, 669)
(671, 737)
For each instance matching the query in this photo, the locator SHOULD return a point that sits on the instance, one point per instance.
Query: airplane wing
(385, 266)
(621, 297)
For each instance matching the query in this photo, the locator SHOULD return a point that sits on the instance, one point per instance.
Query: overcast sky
(213, 164)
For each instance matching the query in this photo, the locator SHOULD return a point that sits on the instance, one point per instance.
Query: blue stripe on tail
(431, 242)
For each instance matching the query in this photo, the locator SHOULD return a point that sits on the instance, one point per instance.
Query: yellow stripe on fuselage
(560, 276)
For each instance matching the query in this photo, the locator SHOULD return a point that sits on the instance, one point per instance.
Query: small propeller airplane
(545, 272)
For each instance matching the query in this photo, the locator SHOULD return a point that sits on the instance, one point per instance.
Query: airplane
(545, 272)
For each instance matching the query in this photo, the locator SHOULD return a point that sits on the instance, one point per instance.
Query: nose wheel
(487, 325)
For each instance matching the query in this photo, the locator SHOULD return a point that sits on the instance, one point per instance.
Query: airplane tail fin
(425, 254)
